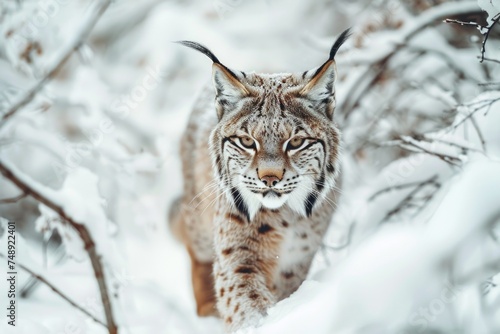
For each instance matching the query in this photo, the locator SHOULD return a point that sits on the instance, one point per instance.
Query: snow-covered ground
(413, 247)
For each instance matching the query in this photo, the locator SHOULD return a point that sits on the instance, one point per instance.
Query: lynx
(260, 169)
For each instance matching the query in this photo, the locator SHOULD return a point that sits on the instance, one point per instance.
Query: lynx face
(278, 144)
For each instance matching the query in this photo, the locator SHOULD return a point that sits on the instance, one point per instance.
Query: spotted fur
(260, 181)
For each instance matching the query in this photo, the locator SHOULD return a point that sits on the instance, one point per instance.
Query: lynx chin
(261, 168)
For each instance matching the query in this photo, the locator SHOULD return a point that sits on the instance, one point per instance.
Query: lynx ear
(228, 86)
(320, 88)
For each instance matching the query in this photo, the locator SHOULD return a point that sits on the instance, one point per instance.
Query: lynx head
(276, 142)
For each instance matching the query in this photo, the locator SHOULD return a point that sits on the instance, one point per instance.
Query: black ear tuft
(200, 48)
(338, 43)
(206, 52)
(320, 87)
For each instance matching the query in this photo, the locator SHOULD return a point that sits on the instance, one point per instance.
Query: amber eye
(247, 142)
(295, 143)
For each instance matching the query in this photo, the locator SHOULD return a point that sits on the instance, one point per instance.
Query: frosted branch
(56, 290)
(28, 96)
(35, 191)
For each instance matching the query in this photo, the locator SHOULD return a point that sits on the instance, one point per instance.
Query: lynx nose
(270, 180)
(270, 177)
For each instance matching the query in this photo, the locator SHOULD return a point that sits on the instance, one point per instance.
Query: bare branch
(407, 202)
(13, 199)
(445, 57)
(414, 145)
(402, 186)
(462, 147)
(483, 104)
(479, 133)
(426, 19)
(493, 60)
(20, 181)
(487, 34)
(462, 23)
(480, 27)
(489, 84)
(77, 43)
(56, 290)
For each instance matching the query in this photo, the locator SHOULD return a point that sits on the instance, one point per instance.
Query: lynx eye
(247, 142)
(295, 143)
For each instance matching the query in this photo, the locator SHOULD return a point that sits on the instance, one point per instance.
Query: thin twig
(401, 186)
(13, 199)
(488, 83)
(479, 133)
(487, 103)
(56, 290)
(445, 57)
(493, 60)
(77, 43)
(413, 145)
(463, 148)
(480, 27)
(406, 202)
(426, 19)
(487, 34)
(20, 181)
(462, 23)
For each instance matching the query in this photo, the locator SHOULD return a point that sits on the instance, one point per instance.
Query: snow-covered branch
(27, 186)
(79, 40)
(51, 286)
(401, 38)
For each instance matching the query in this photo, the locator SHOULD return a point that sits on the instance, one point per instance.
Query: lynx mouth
(272, 199)
(271, 193)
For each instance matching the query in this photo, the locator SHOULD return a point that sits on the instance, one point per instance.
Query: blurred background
(94, 98)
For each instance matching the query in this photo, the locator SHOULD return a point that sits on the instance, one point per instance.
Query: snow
(358, 295)
(492, 7)
(101, 141)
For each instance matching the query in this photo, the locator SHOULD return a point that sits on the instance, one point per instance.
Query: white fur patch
(272, 201)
